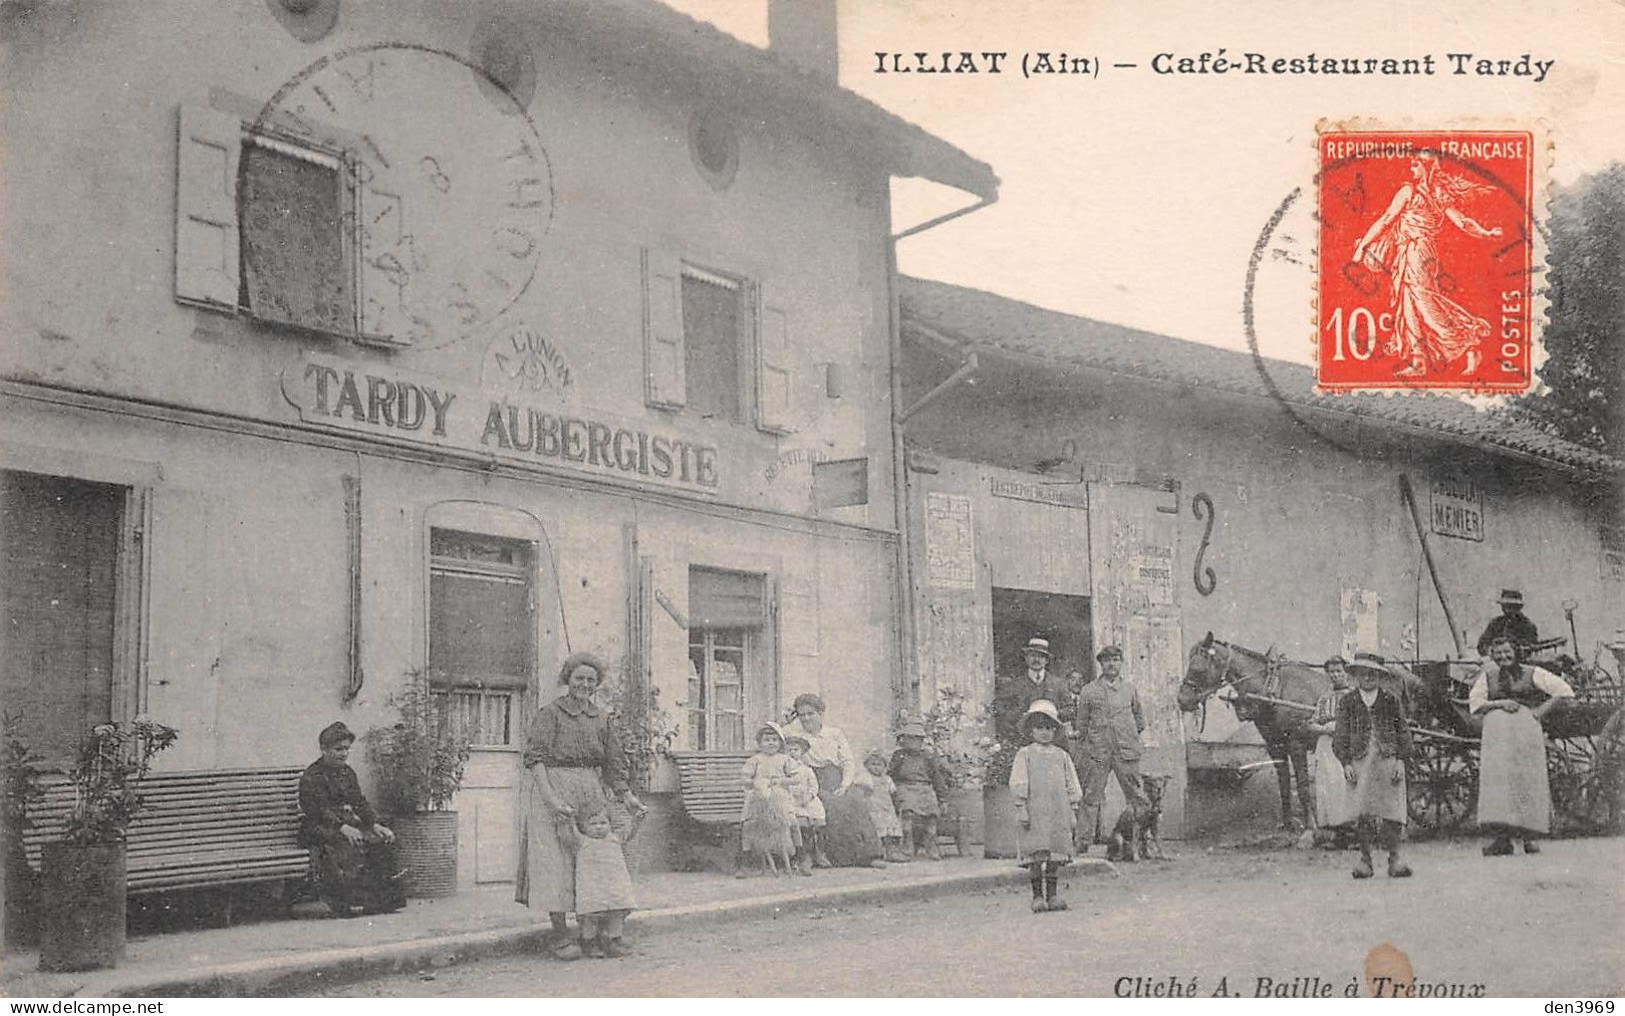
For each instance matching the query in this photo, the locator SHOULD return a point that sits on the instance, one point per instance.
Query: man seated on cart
(1511, 624)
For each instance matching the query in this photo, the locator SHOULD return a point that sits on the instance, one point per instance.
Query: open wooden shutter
(774, 391)
(663, 355)
(208, 145)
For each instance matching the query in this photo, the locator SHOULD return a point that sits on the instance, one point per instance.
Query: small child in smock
(805, 804)
(603, 885)
(920, 782)
(882, 809)
(1044, 784)
(768, 830)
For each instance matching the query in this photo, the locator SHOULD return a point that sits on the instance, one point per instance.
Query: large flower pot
(426, 842)
(83, 889)
(998, 822)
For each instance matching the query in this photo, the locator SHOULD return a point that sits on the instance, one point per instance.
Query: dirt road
(1290, 923)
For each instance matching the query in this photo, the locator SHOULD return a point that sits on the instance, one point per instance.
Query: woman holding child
(848, 839)
(576, 769)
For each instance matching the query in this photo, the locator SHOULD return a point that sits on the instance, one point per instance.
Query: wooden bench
(198, 830)
(713, 795)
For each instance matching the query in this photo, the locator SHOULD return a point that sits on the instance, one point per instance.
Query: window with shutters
(266, 225)
(715, 345)
(481, 632)
(731, 686)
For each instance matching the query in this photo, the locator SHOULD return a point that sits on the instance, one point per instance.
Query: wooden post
(1409, 496)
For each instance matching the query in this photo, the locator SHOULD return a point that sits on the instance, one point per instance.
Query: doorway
(1062, 618)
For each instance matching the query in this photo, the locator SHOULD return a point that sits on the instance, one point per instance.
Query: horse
(1279, 696)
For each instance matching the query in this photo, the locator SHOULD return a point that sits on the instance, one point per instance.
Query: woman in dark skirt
(849, 839)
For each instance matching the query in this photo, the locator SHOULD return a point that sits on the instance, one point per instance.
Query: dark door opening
(1063, 619)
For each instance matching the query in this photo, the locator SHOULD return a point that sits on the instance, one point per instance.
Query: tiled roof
(712, 61)
(995, 324)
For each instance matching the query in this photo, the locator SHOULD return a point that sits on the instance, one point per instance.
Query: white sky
(1138, 198)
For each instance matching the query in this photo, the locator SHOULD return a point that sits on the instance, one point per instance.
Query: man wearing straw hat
(1013, 695)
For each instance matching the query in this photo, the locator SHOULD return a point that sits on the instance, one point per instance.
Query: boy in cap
(356, 868)
(921, 782)
(1109, 722)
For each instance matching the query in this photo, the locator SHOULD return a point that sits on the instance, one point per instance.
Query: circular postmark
(442, 197)
(1416, 253)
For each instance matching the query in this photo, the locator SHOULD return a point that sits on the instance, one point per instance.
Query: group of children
(784, 820)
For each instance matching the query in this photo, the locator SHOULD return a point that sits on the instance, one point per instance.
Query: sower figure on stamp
(1428, 325)
(1109, 722)
(1372, 742)
(1014, 694)
(356, 867)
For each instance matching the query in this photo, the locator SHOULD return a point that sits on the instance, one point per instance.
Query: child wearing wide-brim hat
(1372, 742)
(1044, 784)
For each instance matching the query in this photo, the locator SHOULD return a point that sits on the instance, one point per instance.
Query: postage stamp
(1426, 260)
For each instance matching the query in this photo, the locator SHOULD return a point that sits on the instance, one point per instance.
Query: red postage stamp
(1426, 260)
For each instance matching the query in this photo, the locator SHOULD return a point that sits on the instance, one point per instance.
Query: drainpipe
(907, 690)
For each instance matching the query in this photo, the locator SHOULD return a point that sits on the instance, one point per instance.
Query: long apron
(1513, 788)
(1331, 788)
(545, 879)
(1376, 795)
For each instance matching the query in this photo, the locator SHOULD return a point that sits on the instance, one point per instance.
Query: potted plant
(979, 766)
(23, 774)
(418, 765)
(82, 876)
(646, 734)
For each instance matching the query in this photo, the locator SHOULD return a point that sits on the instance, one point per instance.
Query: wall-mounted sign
(950, 552)
(1458, 509)
(520, 361)
(1064, 495)
(379, 402)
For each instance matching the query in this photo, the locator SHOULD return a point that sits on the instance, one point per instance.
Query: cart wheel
(1442, 784)
(1586, 781)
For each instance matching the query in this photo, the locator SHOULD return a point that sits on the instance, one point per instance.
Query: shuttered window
(58, 573)
(711, 319)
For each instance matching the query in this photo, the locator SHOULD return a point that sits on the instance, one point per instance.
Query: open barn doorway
(1063, 619)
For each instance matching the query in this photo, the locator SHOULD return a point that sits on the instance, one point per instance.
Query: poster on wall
(950, 553)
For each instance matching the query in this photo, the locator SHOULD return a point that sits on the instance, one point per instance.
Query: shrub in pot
(975, 761)
(82, 875)
(418, 766)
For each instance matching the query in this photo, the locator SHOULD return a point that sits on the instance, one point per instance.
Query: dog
(1137, 835)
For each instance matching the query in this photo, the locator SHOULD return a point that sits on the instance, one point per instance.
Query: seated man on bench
(356, 868)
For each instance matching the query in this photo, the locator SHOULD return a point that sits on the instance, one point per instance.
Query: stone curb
(290, 975)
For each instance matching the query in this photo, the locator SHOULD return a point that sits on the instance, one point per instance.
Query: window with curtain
(295, 262)
(727, 683)
(481, 630)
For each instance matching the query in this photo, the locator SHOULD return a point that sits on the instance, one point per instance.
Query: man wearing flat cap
(1511, 624)
(1109, 722)
(1014, 694)
(356, 868)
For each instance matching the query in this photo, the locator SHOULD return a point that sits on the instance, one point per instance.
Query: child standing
(805, 805)
(603, 885)
(1045, 786)
(1372, 742)
(920, 783)
(768, 830)
(882, 810)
